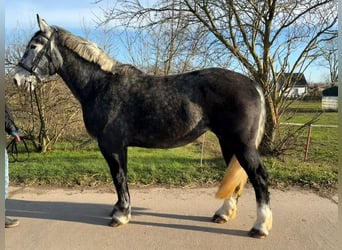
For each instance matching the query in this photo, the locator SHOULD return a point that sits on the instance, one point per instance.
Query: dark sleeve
(10, 126)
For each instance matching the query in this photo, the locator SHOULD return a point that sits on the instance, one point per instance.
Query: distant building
(295, 87)
(330, 99)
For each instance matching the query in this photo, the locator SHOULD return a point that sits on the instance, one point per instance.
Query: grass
(308, 105)
(294, 172)
(326, 118)
(324, 140)
(182, 166)
(179, 166)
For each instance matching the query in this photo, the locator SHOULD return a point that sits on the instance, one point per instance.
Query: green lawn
(324, 140)
(179, 166)
(309, 105)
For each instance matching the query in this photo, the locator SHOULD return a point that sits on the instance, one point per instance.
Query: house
(295, 87)
(330, 99)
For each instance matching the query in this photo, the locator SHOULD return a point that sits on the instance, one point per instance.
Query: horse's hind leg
(257, 174)
(231, 186)
(228, 210)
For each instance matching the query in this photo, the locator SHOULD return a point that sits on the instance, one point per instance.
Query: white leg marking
(120, 217)
(228, 209)
(264, 219)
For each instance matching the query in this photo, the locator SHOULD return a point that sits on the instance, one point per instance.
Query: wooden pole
(308, 143)
(202, 149)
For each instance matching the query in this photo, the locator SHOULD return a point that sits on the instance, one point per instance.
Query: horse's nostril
(15, 82)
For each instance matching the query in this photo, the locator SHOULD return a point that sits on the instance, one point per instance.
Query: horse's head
(41, 58)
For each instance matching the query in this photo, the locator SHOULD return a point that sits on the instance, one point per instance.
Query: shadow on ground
(98, 214)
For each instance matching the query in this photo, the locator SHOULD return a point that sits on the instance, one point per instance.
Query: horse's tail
(233, 181)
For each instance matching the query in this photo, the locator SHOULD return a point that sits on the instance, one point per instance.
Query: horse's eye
(33, 46)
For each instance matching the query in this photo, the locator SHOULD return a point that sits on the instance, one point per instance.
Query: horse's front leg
(116, 157)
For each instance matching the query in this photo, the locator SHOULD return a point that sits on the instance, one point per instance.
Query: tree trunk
(268, 143)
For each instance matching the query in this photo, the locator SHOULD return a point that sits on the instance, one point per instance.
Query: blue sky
(64, 13)
(71, 14)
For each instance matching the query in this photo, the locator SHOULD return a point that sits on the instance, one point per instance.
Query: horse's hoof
(256, 233)
(115, 223)
(219, 219)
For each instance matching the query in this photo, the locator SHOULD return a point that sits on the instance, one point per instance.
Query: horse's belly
(172, 124)
(171, 142)
(169, 136)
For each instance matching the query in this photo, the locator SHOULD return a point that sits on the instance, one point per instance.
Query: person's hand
(17, 137)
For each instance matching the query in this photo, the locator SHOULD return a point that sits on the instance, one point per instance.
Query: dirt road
(177, 218)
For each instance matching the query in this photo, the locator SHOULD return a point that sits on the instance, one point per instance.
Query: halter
(39, 56)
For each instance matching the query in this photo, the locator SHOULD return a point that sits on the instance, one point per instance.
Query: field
(187, 166)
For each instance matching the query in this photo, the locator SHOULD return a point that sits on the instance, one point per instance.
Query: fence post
(308, 143)
(202, 149)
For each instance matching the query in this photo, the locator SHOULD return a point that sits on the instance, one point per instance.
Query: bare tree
(172, 45)
(329, 60)
(266, 38)
(47, 113)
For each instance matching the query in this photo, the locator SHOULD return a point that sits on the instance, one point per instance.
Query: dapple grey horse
(122, 107)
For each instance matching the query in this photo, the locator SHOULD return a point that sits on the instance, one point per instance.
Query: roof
(298, 79)
(332, 91)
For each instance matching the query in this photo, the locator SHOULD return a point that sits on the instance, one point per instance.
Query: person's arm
(10, 126)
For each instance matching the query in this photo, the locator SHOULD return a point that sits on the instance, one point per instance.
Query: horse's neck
(79, 74)
(84, 78)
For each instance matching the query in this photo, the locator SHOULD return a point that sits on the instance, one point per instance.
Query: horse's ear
(44, 27)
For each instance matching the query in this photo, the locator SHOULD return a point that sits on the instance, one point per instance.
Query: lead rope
(32, 109)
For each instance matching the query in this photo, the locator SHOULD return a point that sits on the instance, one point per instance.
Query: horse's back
(222, 89)
(191, 97)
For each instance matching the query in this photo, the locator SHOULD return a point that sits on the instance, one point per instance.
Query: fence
(309, 134)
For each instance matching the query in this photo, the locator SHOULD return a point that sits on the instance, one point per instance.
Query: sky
(64, 13)
(71, 15)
